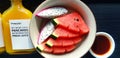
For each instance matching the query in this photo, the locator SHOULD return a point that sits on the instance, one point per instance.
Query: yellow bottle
(16, 29)
(2, 47)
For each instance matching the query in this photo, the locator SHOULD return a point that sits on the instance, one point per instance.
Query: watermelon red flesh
(55, 49)
(77, 40)
(61, 50)
(67, 42)
(59, 42)
(63, 33)
(58, 50)
(48, 49)
(63, 42)
(70, 48)
(51, 42)
(73, 22)
(72, 41)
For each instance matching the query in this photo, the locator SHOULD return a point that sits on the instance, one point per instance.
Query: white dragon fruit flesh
(46, 32)
(52, 12)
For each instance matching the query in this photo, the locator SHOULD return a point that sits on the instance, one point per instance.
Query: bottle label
(20, 38)
(1, 35)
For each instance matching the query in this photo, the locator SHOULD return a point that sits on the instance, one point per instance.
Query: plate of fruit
(61, 30)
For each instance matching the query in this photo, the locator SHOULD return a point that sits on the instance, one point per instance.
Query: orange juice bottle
(2, 47)
(16, 29)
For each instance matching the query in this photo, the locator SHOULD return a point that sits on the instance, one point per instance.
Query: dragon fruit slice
(46, 32)
(52, 12)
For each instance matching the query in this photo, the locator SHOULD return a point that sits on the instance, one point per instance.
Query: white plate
(86, 13)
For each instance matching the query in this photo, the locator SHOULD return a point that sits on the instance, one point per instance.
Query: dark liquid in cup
(101, 45)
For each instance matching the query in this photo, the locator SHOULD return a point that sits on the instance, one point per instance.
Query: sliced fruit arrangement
(64, 32)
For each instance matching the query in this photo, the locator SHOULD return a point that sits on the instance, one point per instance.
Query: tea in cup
(103, 46)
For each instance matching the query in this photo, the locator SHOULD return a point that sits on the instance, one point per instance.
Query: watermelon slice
(63, 42)
(55, 49)
(43, 48)
(61, 50)
(63, 33)
(73, 22)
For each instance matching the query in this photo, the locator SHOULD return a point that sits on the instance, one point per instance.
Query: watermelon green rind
(55, 22)
(44, 48)
(49, 44)
(54, 36)
(40, 48)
